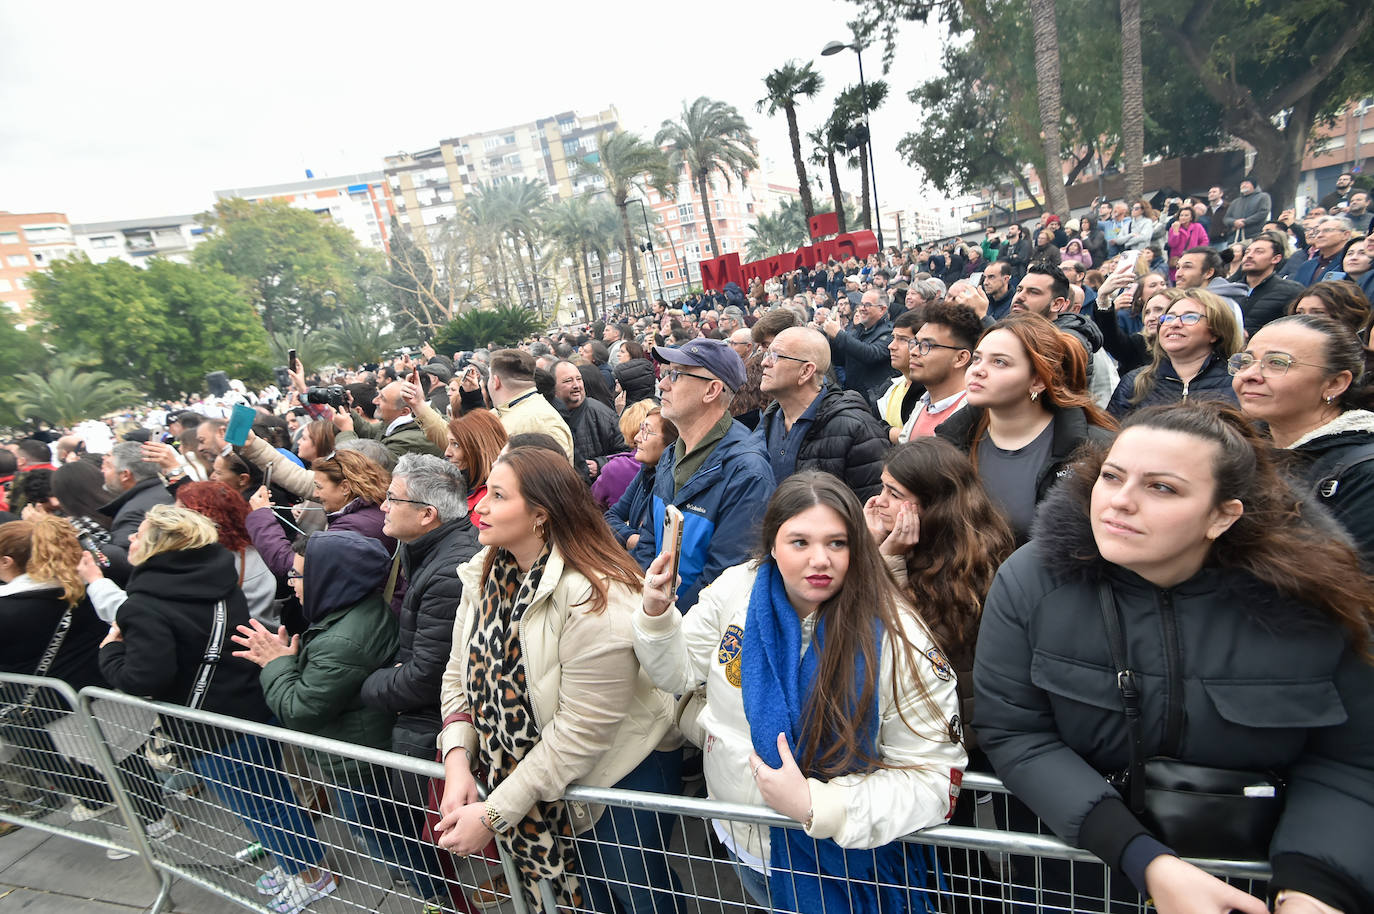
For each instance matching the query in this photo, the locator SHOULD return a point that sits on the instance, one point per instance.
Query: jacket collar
(414, 553)
(25, 584)
(1352, 420)
(143, 485)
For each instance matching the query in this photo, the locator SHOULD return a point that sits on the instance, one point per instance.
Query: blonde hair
(633, 416)
(47, 550)
(171, 528)
(1221, 320)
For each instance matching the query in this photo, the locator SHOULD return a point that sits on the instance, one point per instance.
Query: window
(17, 260)
(684, 210)
(508, 139)
(19, 283)
(5, 286)
(570, 147)
(669, 274)
(491, 143)
(104, 241)
(9, 237)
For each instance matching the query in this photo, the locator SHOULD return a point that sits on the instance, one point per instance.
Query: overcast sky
(117, 111)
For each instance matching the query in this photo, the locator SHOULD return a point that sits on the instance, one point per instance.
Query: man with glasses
(426, 511)
(1328, 242)
(813, 425)
(940, 353)
(896, 403)
(715, 473)
(861, 350)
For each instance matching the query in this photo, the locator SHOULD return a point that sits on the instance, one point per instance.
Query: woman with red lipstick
(1027, 411)
(1301, 375)
(1244, 619)
(1197, 334)
(823, 684)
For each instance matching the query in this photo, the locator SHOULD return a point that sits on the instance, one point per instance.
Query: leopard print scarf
(498, 693)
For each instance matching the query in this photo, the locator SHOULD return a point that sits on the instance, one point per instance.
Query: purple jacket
(275, 549)
(615, 478)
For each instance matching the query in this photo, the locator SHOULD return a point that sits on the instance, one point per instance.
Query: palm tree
(1048, 89)
(823, 143)
(710, 137)
(527, 199)
(848, 118)
(773, 233)
(65, 395)
(628, 163)
(359, 338)
(1132, 101)
(583, 227)
(785, 85)
(603, 237)
(484, 210)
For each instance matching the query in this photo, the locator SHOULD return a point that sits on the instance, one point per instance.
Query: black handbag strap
(212, 653)
(1130, 695)
(49, 655)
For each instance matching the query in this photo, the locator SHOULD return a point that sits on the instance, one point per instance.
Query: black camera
(333, 395)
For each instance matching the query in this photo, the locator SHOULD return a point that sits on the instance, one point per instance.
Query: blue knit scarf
(809, 875)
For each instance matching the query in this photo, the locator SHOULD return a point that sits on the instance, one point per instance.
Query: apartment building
(360, 203)
(136, 241)
(29, 242)
(1346, 145)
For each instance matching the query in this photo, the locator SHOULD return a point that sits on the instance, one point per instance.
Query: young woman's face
(999, 374)
(454, 455)
(1153, 507)
(305, 449)
(1155, 306)
(1180, 339)
(649, 444)
(812, 554)
(891, 497)
(504, 517)
(1357, 260)
(1311, 304)
(1298, 395)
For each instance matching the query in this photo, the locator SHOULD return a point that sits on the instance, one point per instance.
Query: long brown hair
(575, 524)
(366, 478)
(1273, 540)
(831, 728)
(480, 436)
(964, 538)
(1058, 360)
(47, 550)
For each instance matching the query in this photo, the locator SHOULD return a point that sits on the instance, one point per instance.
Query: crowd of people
(1086, 505)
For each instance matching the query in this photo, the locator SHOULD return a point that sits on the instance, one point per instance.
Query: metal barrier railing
(239, 808)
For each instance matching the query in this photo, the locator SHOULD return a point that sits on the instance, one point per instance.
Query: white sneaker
(80, 812)
(163, 828)
(298, 893)
(114, 853)
(272, 881)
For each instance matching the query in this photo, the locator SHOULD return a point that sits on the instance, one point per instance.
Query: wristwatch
(175, 472)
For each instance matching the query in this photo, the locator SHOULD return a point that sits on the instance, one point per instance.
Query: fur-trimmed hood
(1349, 423)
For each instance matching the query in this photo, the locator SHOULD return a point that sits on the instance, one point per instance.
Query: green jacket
(408, 439)
(317, 689)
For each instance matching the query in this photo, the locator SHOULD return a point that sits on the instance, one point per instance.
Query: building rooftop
(307, 184)
(89, 228)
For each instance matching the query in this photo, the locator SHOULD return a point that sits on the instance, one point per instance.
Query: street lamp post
(649, 241)
(831, 49)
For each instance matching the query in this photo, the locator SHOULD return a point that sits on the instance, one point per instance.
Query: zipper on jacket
(1185, 390)
(1173, 670)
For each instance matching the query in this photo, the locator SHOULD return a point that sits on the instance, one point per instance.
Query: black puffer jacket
(166, 622)
(1319, 459)
(845, 440)
(595, 433)
(1261, 681)
(409, 688)
(636, 378)
(127, 512)
(1212, 383)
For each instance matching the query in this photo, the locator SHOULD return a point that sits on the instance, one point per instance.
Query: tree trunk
(631, 261)
(1132, 101)
(1048, 91)
(601, 269)
(519, 263)
(866, 210)
(534, 274)
(835, 189)
(703, 192)
(1278, 165)
(794, 135)
(685, 274)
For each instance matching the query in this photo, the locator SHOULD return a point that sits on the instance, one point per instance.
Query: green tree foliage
(67, 395)
(358, 339)
(301, 270)
(711, 137)
(160, 329)
(848, 125)
(20, 351)
(785, 86)
(780, 232)
(629, 163)
(502, 326)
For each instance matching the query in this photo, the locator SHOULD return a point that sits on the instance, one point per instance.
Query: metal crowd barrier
(222, 802)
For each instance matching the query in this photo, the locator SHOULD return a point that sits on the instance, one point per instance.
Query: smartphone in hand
(672, 541)
(292, 362)
(240, 424)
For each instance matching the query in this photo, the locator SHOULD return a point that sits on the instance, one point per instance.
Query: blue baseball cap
(715, 356)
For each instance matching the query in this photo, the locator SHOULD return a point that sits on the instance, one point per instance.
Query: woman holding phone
(822, 682)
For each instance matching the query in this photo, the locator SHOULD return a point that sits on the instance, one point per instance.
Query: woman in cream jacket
(543, 690)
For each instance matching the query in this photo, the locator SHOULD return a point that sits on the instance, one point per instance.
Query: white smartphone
(976, 278)
(672, 541)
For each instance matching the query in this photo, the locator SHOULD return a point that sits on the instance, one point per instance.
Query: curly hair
(223, 507)
(47, 550)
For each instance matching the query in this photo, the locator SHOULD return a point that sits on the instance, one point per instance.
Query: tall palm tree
(823, 143)
(710, 137)
(629, 163)
(1132, 101)
(1048, 89)
(603, 237)
(848, 118)
(485, 212)
(358, 338)
(785, 85)
(568, 222)
(526, 200)
(773, 233)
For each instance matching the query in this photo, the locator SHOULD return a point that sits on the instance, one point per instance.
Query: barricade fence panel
(273, 819)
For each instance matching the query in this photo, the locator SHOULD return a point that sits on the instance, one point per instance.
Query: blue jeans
(246, 775)
(375, 820)
(625, 853)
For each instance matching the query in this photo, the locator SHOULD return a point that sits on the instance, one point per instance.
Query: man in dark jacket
(426, 511)
(1328, 241)
(812, 425)
(862, 349)
(1269, 292)
(138, 487)
(594, 426)
(1016, 253)
(1246, 215)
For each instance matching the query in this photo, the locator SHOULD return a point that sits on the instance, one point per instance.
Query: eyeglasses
(646, 431)
(294, 576)
(923, 347)
(771, 356)
(1187, 319)
(676, 374)
(1273, 365)
(405, 501)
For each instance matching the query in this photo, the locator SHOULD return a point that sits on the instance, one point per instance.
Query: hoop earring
(539, 529)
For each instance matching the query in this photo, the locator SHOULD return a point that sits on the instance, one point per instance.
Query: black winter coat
(1259, 682)
(409, 688)
(1213, 382)
(862, 351)
(126, 513)
(595, 433)
(29, 619)
(845, 440)
(1267, 301)
(166, 624)
(1351, 497)
(636, 378)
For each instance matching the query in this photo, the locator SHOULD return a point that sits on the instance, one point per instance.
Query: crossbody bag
(21, 712)
(211, 660)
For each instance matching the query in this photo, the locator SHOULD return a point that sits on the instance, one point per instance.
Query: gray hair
(128, 455)
(370, 448)
(930, 290)
(1342, 224)
(436, 482)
